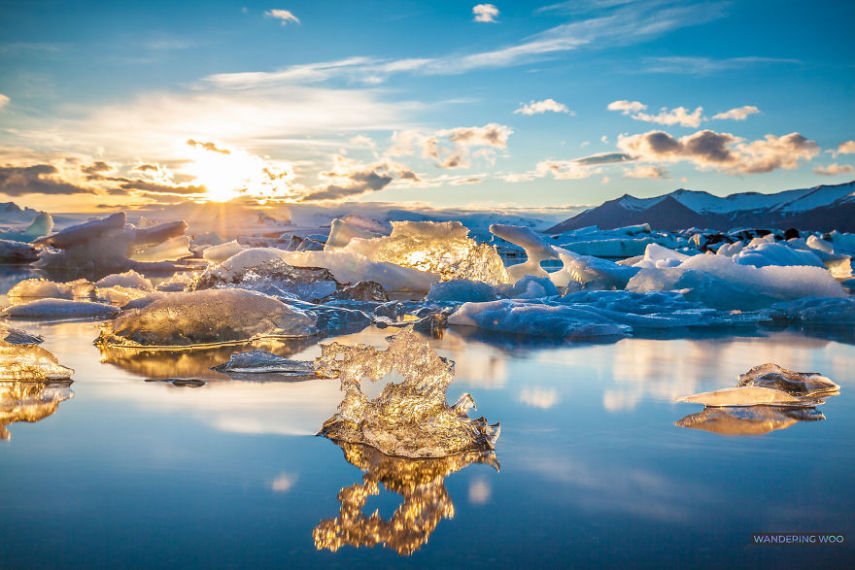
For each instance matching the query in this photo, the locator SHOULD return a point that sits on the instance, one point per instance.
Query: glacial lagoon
(596, 463)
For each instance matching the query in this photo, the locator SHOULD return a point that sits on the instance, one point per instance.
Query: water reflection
(192, 362)
(30, 402)
(421, 483)
(751, 420)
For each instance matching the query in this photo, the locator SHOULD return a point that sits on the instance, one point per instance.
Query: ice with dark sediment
(207, 317)
(815, 311)
(408, 419)
(56, 309)
(263, 362)
(13, 252)
(771, 375)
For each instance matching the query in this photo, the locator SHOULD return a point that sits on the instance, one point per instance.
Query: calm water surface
(594, 471)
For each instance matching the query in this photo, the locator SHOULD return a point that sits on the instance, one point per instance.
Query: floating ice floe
(719, 282)
(771, 375)
(408, 419)
(117, 289)
(263, 362)
(747, 396)
(221, 252)
(751, 420)
(442, 248)
(59, 309)
(208, 317)
(592, 314)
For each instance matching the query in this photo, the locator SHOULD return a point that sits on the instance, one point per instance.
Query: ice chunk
(107, 245)
(263, 269)
(223, 251)
(656, 256)
(531, 287)
(29, 401)
(20, 336)
(443, 248)
(30, 363)
(128, 279)
(768, 253)
(349, 267)
(815, 310)
(615, 247)
(536, 249)
(771, 375)
(748, 396)
(719, 282)
(263, 362)
(408, 419)
(461, 290)
(425, 500)
(342, 231)
(591, 272)
(16, 252)
(59, 309)
(42, 288)
(41, 225)
(752, 420)
(362, 291)
(208, 317)
(171, 249)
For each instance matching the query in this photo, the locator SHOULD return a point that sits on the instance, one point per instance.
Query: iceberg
(408, 419)
(815, 311)
(12, 252)
(30, 363)
(221, 252)
(442, 248)
(536, 250)
(207, 317)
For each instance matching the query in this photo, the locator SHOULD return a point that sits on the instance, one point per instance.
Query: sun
(231, 173)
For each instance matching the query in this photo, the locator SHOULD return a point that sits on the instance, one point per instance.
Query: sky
(444, 103)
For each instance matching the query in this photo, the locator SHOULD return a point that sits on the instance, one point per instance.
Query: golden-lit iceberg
(421, 483)
(30, 363)
(408, 419)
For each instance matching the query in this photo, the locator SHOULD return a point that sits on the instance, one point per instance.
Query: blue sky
(446, 103)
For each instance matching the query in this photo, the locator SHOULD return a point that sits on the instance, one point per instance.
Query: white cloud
(539, 107)
(645, 171)
(452, 148)
(485, 12)
(737, 114)
(706, 66)
(284, 16)
(833, 169)
(847, 147)
(4, 100)
(625, 107)
(677, 116)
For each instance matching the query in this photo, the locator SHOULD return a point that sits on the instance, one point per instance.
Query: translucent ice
(815, 311)
(30, 363)
(223, 251)
(263, 362)
(536, 249)
(461, 290)
(771, 375)
(209, 317)
(408, 419)
(443, 248)
(748, 396)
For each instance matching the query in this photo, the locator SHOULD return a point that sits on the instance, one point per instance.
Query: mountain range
(821, 208)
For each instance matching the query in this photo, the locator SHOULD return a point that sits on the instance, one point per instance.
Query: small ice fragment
(771, 375)
(748, 396)
(30, 363)
(263, 362)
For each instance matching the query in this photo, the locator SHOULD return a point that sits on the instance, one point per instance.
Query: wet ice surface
(593, 469)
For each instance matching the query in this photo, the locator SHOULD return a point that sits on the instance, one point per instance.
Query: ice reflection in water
(752, 420)
(421, 483)
(30, 402)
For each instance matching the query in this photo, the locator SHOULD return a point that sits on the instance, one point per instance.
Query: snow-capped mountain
(822, 208)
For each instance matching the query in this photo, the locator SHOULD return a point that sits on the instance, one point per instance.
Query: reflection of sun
(228, 175)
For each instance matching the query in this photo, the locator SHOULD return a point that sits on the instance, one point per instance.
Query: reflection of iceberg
(191, 363)
(754, 420)
(421, 483)
(29, 402)
(411, 418)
